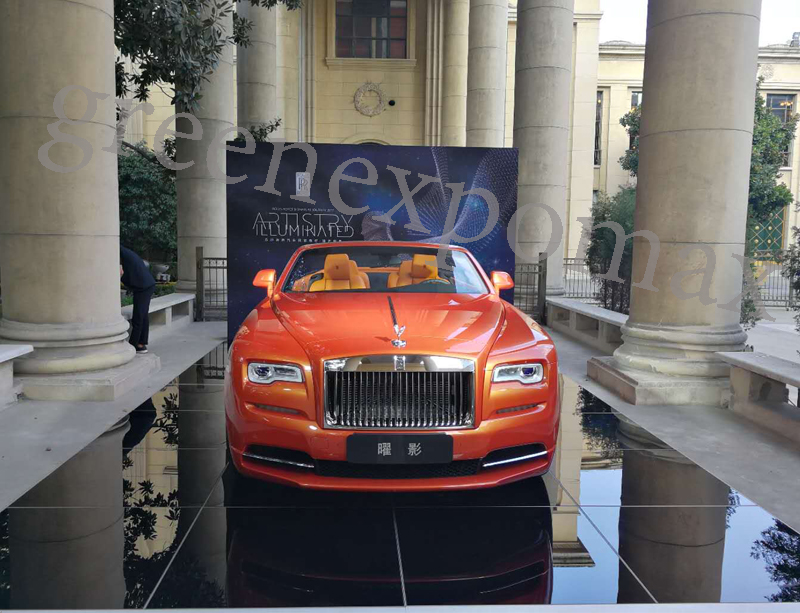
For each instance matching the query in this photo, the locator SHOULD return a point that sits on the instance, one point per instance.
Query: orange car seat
(338, 275)
(411, 272)
(364, 276)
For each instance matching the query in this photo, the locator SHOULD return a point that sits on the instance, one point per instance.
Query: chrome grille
(399, 399)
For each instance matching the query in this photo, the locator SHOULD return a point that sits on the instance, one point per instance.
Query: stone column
(694, 166)
(256, 68)
(584, 113)
(288, 54)
(541, 125)
(66, 535)
(202, 215)
(671, 524)
(454, 77)
(486, 73)
(59, 231)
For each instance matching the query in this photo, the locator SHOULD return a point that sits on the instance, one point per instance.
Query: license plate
(399, 448)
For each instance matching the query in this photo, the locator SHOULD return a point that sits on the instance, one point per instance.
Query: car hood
(350, 324)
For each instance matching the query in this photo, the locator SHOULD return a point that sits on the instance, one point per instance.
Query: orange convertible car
(380, 366)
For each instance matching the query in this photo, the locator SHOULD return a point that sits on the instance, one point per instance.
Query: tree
(148, 208)
(790, 261)
(771, 138)
(779, 547)
(176, 43)
(602, 242)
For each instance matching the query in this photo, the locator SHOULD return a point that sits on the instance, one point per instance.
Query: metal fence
(212, 288)
(530, 285)
(578, 281)
(775, 289)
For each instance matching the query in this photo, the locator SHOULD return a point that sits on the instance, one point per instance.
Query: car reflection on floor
(326, 556)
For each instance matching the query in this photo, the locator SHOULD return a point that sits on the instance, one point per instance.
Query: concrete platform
(36, 437)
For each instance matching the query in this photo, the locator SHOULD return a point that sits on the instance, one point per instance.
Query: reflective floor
(621, 518)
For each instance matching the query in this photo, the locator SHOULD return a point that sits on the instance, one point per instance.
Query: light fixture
(265, 373)
(523, 373)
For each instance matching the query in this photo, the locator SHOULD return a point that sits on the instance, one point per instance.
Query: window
(371, 28)
(782, 106)
(598, 130)
(636, 100)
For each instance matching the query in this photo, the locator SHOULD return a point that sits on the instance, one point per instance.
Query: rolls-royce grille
(356, 399)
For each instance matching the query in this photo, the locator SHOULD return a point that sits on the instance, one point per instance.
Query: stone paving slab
(36, 437)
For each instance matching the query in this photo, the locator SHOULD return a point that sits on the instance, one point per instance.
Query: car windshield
(384, 269)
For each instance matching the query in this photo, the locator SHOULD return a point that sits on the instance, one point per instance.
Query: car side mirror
(502, 280)
(266, 279)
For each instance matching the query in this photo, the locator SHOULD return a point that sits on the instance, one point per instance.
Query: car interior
(389, 271)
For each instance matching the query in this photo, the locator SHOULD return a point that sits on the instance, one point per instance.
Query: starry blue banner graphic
(265, 229)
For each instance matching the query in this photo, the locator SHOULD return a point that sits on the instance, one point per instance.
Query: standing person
(136, 278)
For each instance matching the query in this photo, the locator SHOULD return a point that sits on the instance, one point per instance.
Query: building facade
(619, 88)
(382, 78)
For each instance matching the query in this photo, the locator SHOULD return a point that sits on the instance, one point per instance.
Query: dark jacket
(135, 273)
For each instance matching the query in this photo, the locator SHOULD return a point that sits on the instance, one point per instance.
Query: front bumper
(249, 425)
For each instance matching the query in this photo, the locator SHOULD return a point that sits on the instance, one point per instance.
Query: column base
(99, 385)
(644, 388)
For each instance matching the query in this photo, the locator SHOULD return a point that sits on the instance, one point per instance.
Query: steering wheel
(445, 281)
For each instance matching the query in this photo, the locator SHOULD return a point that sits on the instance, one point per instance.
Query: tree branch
(145, 153)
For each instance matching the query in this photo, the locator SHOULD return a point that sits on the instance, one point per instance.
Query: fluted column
(202, 198)
(288, 53)
(59, 230)
(694, 165)
(486, 73)
(454, 77)
(256, 68)
(543, 78)
(66, 535)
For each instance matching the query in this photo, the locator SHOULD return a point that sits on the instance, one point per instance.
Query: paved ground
(778, 338)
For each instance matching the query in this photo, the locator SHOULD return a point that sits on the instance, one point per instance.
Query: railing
(530, 285)
(578, 281)
(775, 289)
(212, 287)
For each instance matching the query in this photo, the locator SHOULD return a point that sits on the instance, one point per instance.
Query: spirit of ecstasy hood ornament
(398, 329)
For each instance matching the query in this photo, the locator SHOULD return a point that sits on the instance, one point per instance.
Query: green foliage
(148, 209)
(779, 547)
(771, 138)
(602, 241)
(177, 43)
(260, 132)
(632, 121)
(790, 261)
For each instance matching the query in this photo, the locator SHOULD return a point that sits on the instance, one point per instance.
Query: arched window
(371, 28)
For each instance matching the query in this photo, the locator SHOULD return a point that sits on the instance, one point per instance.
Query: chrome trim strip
(386, 363)
(520, 459)
(255, 456)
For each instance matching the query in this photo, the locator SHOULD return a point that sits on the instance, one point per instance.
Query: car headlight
(523, 373)
(263, 373)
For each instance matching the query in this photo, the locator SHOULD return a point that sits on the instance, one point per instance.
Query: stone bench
(589, 324)
(759, 392)
(8, 353)
(167, 313)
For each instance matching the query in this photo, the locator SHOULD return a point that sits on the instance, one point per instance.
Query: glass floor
(621, 518)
